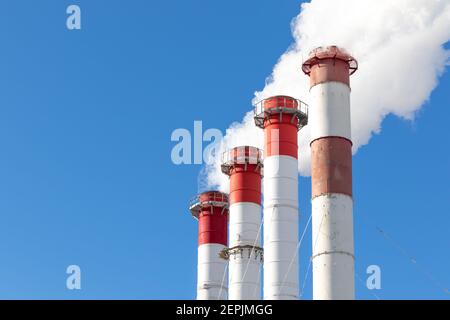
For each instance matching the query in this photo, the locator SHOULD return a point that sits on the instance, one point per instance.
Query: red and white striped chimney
(211, 210)
(329, 69)
(281, 117)
(244, 167)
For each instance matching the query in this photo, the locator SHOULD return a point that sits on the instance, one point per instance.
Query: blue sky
(86, 176)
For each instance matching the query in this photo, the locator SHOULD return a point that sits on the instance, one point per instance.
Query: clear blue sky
(85, 171)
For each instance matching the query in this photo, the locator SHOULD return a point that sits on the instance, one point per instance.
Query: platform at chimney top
(266, 109)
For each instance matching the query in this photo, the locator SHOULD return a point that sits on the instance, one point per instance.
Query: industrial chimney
(329, 69)
(281, 117)
(211, 210)
(244, 167)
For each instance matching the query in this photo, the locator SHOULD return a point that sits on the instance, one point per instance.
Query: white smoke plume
(399, 45)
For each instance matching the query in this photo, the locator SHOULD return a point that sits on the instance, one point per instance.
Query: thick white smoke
(400, 49)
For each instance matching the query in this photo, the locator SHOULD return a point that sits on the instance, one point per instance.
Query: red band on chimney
(211, 210)
(243, 165)
(245, 184)
(331, 166)
(280, 129)
(212, 226)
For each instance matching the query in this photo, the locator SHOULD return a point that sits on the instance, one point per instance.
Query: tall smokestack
(211, 210)
(281, 117)
(244, 165)
(329, 70)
